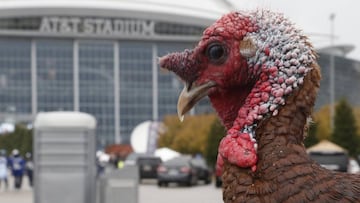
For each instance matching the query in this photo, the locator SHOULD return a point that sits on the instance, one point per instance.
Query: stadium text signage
(96, 26)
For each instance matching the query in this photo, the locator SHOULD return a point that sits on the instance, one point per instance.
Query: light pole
(332, 74)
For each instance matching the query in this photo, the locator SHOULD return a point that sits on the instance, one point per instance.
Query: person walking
(17, 165)
(29, 167)
(3, 169)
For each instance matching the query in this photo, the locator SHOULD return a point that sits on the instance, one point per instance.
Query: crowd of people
(18, 165)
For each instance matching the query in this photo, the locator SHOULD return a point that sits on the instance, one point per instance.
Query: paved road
(24, 195)
(149, 192)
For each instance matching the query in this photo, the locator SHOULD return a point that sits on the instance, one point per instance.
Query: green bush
(21, 139)
(345, 131)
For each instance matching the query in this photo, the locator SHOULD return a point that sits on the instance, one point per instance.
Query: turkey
(261, 75)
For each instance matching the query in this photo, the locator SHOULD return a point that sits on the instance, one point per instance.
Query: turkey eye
(216, 53)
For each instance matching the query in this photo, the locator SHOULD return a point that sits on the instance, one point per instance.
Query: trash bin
(119, 186)
(64, 158)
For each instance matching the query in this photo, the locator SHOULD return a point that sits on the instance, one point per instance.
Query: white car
(353, 166)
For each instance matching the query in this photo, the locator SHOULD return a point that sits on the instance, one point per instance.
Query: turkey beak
(190, 95)
(185, 65)
(182, 64)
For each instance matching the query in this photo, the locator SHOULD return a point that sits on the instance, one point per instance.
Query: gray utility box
(119, 186)
(64, 158)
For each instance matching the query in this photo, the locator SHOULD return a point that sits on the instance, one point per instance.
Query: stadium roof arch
(196, 12)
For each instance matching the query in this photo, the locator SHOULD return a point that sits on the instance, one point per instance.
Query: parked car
(131, 159)
(354, 167)
(177, 170)
(147, 164)
(202, 169)
(148, 167)
(218, 181)
(336, 161)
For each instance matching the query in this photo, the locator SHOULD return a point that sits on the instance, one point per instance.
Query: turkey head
(248, 63)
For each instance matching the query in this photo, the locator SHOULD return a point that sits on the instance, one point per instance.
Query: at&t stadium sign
(96, 26)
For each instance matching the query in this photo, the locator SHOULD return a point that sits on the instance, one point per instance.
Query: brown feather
(285, 173)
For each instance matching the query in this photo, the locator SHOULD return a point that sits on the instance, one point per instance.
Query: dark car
(202, 169)
(336, 161)
(218, 181)
(178, 170)
(147, 165)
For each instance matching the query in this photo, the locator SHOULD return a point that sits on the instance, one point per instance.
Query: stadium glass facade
(104, 62)
(346, 80)
(105, 66)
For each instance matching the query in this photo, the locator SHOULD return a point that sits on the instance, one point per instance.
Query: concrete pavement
(24, 195)
(149, 192)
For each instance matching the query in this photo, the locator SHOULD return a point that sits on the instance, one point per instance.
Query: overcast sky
(313, 16)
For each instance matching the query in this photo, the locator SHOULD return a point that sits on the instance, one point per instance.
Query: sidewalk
(24, 195)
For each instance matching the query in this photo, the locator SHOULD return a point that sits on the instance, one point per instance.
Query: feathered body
(285, 173)
(261, 76)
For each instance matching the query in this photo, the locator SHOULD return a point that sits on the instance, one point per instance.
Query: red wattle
(238, 150)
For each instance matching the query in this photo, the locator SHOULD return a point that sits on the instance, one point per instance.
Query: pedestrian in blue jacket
(17, 165)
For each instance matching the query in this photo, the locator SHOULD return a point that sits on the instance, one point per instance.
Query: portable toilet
(64, 157)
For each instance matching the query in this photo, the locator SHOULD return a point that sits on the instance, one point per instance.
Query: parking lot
(149, 192)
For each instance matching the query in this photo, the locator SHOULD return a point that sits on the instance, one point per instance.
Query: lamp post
(332, 74)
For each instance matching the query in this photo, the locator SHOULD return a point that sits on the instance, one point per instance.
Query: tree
(322, 120)
(345, 131)
(21, 139)
(357, 117)
(189, 136)
(217, 132)
(311, 138)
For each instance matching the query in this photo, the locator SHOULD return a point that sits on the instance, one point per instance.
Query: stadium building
(100, 57)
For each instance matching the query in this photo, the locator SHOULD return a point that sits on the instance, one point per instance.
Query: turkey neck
(281, 137)
(281, 153)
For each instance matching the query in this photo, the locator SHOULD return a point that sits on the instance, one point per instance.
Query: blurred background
(100, 58)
